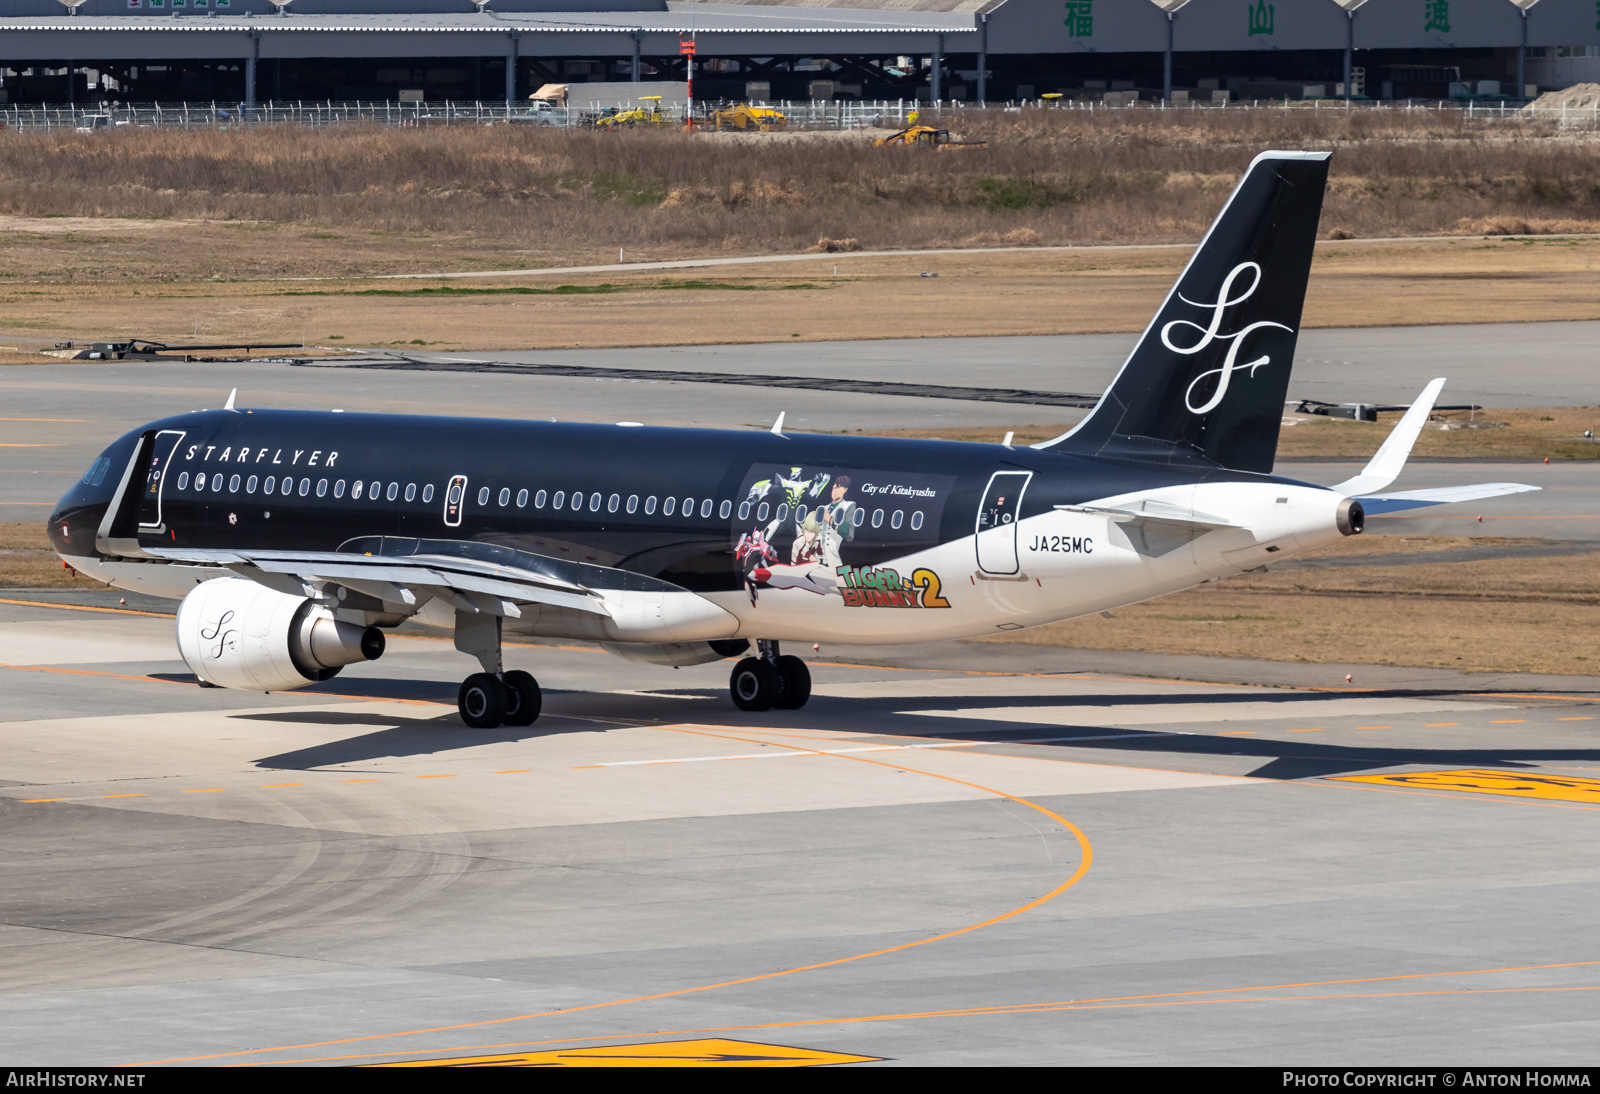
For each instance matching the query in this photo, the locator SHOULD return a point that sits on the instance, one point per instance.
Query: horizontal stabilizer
(1390, 459)
(1416, 499)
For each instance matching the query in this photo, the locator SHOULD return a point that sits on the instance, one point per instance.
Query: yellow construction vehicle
(648, 114)
(744, 116)
(924, 136)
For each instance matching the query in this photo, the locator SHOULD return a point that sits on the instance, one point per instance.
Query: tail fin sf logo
(1223, 374)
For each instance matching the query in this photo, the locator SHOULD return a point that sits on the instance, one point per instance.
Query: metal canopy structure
(847, 32)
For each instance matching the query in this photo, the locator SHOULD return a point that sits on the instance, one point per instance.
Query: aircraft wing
(406, 580)
(1416, 499)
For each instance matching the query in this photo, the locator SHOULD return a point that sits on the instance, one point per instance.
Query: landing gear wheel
(794, 683)
(482, 701)
(523, 698)
(754, 684)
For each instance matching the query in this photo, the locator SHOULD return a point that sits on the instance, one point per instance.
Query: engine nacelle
(235, 633)
(678, 654)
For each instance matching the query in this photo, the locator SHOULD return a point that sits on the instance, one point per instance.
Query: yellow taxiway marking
(1237, 733)
(1580, 718)
(712, 1052)
(278, 786)
(36, 801)
(436, 776)
(515, 771)
(1505, 721)
(207, 790)
(1518, 784)
(360, 780)
(124, 795)
(1374, 727)
(1308, 731)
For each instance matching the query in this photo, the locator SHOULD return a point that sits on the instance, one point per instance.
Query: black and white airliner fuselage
(293, 539)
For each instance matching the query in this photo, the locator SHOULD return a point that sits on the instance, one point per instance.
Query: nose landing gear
(770, 680)
(493, 697)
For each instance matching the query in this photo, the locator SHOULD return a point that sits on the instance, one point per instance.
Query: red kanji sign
(686, 47)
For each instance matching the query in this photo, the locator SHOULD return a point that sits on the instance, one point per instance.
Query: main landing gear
(493, 697)
(770, 680)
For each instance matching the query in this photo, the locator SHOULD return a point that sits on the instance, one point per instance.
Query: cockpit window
(97, 472)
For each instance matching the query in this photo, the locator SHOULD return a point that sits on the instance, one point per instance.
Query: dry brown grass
(84, 284)
(1480, 616)
(27, 562)
(1058, 177)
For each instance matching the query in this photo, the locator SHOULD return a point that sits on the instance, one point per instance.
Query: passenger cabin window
(688, 507)
(783, 512)
(183, 481)
(594, 502)
(577, 500)
(250, 485)
(355, 490)
(505, 496)
(427, 492)
(800, 512)
(744, 511)
(373, 490)
(483, 496)
(612, 502)
(216, 483)
(338, 488)
(705, 508)
(538, 500)
(633, 502)
(761, 513)
(650, 505)
(266, 488)
(727, 508)
(411, 491)
(916, 521)
(305, 487)
(522, 499)
(559, 500)
(669, 506)
(200, 481)
(877, 518)
(233, 485)
(898, 518)
(322, 488)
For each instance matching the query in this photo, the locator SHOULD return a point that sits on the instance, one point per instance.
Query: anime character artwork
(813, 529)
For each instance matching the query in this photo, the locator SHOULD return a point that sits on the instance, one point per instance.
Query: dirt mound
(1020, 237)
(835, 246)
(1576, 97)
(1521, 226)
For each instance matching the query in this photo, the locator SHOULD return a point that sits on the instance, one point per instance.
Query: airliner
(294, 540)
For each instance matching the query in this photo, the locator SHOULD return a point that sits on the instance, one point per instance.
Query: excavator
(744, 116)
(923, 136)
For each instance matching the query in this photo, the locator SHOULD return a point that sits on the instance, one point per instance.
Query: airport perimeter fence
(802, 114)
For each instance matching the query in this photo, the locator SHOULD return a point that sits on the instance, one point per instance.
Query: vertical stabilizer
(1208, 379)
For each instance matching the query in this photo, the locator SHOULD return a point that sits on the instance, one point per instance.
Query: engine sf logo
(872, 587)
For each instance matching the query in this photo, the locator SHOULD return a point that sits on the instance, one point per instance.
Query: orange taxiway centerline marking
(1160, 999)
(1086, 860)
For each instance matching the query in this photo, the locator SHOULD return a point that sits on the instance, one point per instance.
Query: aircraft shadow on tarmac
(600, 711)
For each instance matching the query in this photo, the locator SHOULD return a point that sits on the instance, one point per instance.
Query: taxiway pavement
(952, 855)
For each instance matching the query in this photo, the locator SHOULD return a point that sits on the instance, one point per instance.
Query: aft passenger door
(155, 476)
(996, 532)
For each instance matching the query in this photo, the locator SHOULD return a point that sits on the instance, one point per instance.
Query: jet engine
(235, 633)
